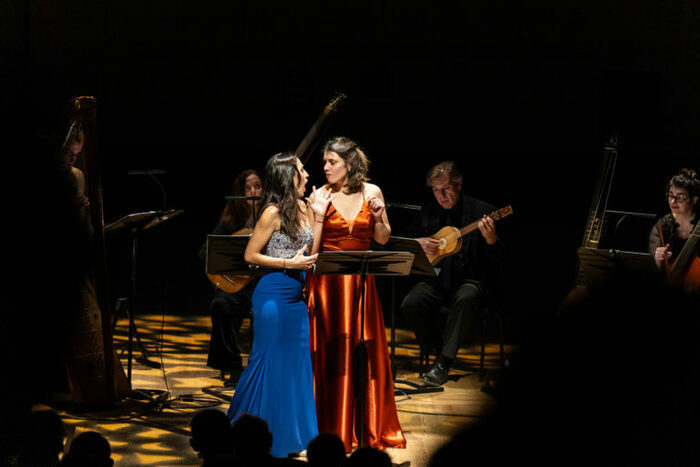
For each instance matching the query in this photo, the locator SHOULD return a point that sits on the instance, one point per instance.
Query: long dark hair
(355, 159)
(281, 174)
(237, 212)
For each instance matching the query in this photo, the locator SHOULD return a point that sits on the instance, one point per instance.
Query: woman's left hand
(376, 207)
(318, 202)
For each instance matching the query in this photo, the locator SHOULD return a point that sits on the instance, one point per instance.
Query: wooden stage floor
(144, 433)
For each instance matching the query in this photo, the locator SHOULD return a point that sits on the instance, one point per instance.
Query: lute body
(231, 283)
(450, 238)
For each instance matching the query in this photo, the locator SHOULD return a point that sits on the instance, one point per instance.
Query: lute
(230, 283)
(450, 238)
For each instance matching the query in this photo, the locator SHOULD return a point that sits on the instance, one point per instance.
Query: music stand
(364, 263)
(137, 222)
(421, 267)
(225, 257)
(602, 267)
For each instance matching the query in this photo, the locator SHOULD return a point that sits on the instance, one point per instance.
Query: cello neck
(688, 251)
(310, 141)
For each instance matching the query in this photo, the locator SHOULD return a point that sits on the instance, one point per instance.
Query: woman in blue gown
(277, 383)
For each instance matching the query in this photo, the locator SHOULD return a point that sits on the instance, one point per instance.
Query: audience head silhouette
(212, 435)
(89, 449)
(326, 450)
(43, 435)
(252, 439)
(369, 457)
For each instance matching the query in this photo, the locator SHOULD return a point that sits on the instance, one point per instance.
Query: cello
(684, 272)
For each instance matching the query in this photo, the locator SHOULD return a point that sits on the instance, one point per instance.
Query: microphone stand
(151, 173)
(422, 266)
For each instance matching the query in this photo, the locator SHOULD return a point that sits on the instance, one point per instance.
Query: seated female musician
(670, 234)
(228, 309)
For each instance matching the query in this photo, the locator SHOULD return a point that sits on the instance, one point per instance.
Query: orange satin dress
(334, 307)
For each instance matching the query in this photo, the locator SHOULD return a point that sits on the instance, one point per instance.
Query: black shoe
(437, 376)
(233, 377)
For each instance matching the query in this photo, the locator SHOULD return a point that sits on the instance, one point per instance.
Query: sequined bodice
(341, 234)
(282, 246)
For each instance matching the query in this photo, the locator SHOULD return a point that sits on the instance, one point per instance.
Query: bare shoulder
(270, 210)
(322, 190)
(270, 216)
(373, 190)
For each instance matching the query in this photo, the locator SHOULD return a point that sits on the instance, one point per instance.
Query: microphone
(403, 206)
(152, 174)
(147, 172)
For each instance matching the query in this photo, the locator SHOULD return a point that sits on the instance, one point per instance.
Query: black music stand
(364, 263)
(421, 267)
(603, 267)
(225, 257)
(136, 223)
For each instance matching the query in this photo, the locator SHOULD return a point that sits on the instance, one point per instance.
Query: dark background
(523, 95)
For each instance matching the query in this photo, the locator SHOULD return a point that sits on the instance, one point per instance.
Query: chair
(423, 353)
(488, 313)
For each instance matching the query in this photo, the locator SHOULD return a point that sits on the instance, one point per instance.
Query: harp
(596, 225)
(93, 370)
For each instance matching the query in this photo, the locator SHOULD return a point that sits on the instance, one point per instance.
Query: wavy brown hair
(356, 161)
(281, 174)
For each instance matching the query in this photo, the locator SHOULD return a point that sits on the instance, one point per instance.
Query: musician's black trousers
(227, 313)
(440, 319)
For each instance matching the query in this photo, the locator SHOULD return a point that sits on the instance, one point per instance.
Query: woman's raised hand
(319, 203)
(376, 207)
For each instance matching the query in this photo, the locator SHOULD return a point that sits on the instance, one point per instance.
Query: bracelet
(320, 222)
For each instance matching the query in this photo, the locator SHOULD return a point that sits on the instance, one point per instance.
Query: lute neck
(495, 215)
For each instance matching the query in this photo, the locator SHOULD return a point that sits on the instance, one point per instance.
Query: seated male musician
(463, 277)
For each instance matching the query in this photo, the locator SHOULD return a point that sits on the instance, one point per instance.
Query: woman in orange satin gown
(355, 217)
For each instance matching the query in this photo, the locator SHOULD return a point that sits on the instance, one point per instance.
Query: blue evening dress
(277, 383)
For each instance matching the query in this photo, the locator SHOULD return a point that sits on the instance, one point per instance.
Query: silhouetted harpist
(93, 371)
